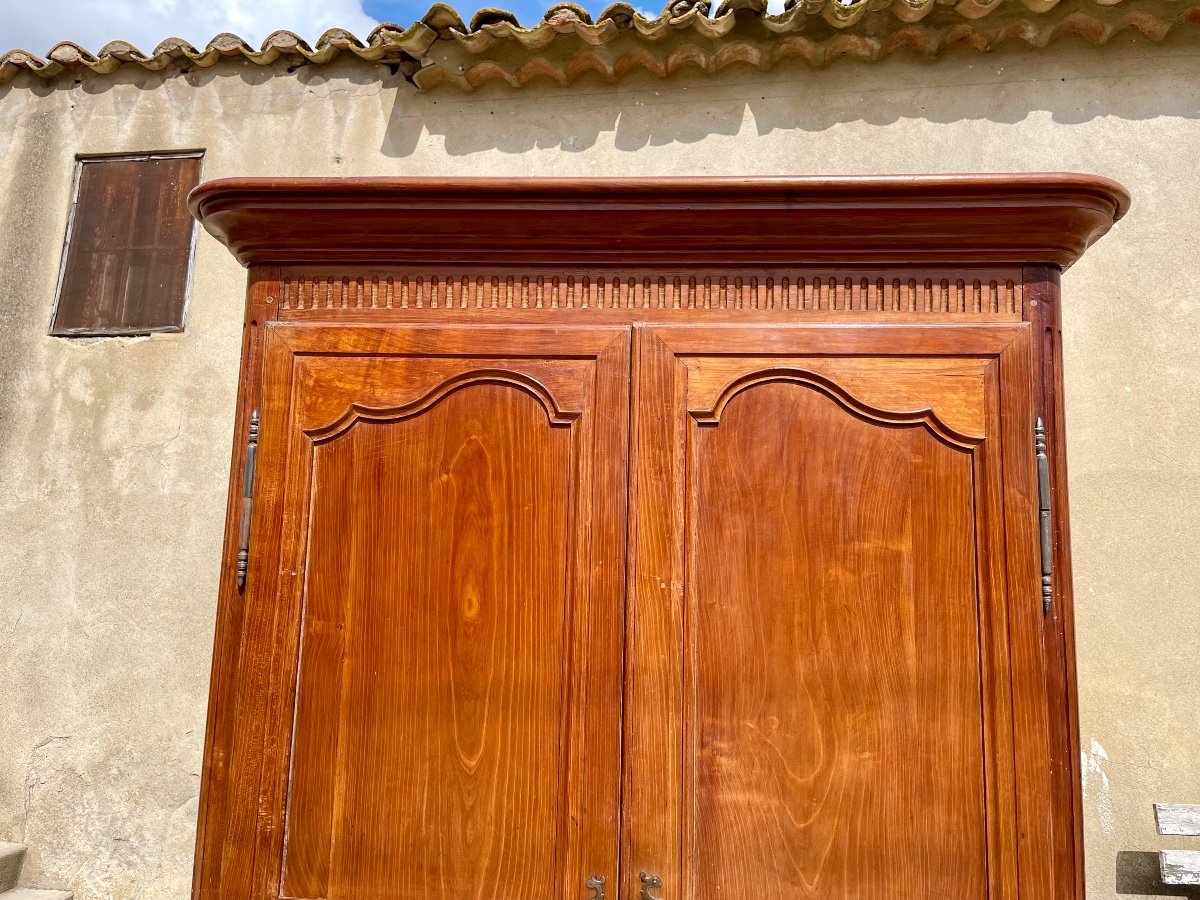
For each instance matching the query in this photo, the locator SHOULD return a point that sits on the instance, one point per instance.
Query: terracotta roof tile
(441, 48)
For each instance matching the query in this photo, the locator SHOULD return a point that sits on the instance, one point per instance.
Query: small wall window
(128, 254)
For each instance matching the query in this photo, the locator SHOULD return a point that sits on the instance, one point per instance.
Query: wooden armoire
(647, 539)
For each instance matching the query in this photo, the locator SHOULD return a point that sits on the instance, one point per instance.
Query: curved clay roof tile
(566, 14)
(490, 15)
(442, 49)
(620, 14)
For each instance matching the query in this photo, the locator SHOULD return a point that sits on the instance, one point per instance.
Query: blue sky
(405, 11)
(38, 25)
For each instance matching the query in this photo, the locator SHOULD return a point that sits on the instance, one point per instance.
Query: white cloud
(36, 25)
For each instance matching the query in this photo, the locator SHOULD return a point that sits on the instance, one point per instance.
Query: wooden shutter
(125, 265)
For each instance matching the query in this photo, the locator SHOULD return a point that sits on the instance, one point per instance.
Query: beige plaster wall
(113, 452)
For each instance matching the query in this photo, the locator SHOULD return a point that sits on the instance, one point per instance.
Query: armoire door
(835, 686)
(430, 692)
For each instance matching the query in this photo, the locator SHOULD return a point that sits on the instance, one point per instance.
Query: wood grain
(848, 705)
(432, 663)
(837, 727)
(225, 679)
(977, 292)
(447, 610)
(654, 721)
(761, 222)
(125, 267)
(793, 645)
(1043, 311)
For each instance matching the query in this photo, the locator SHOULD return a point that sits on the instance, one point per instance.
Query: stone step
(11, 858)
(35, 894)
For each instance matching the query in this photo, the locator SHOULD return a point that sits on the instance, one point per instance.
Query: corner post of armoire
(262, 290)
(1042, 309)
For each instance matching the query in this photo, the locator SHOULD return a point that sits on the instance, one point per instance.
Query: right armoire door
(834, 680)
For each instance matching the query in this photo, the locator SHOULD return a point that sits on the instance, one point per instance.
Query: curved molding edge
(616, 224)
(357, 412)
(925, 416)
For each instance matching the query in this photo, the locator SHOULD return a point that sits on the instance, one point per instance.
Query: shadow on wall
(1138, 874)
(1128, 79)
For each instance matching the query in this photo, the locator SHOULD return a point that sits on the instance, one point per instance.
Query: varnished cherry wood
(432, 706)
(876, 323)
(223, 693)
(845, 581)
(1043, 310)
(627, 291)
(834, 650)
(904, 219)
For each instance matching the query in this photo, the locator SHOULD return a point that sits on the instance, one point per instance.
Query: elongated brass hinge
(1043, 474)
(243, 557)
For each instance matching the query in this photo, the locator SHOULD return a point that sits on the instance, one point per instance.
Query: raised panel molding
(408, 369)
(834, 675)
(357, 412)
(924, 415)
(989, 293)
(877, 387)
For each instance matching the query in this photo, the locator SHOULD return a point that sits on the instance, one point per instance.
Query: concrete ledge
(11, 858)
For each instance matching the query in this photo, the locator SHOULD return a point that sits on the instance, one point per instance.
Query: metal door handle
(650, 882)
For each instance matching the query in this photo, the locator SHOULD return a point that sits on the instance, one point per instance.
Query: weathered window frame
(82, 159)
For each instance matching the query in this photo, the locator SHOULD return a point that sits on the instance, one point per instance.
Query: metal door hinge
(243, 556)
(595, 884)
(1043, 477)
(650, 882)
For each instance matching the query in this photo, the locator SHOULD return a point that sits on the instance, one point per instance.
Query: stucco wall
(114, 452)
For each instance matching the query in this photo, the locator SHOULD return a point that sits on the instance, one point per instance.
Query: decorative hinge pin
(1043, 475)
(243, 556)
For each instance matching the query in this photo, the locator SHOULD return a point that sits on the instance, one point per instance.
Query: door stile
(284, 585)
(569, 860)
(1033, 747)
(999, 736)
(603, 626)
(689, 883)
(653, 777)
(253, 719)
(338, 712)
(215, 797)
(1043, 309)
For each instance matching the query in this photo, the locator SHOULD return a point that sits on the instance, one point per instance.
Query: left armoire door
(429, 691)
